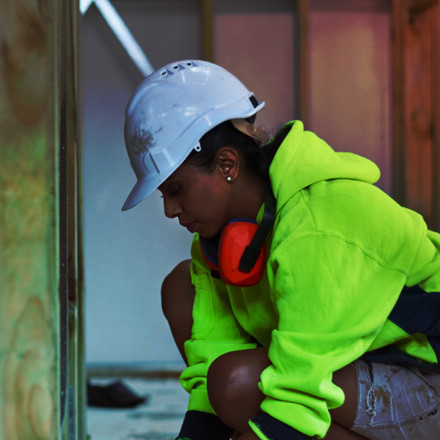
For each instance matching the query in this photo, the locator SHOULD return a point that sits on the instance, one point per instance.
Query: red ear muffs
(235, 239)
(223, 254)
(238, 254)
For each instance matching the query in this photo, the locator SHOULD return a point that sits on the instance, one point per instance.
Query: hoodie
(350, 274)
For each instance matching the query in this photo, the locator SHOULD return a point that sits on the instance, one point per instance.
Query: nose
(171, 207)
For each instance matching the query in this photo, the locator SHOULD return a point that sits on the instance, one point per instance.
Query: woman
(316, 313)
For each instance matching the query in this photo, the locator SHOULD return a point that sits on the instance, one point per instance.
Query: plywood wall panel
(28, 268)
(32, 37)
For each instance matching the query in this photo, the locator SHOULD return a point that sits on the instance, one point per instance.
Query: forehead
(183, 173)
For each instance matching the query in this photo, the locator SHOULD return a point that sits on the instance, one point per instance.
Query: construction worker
(311, 306)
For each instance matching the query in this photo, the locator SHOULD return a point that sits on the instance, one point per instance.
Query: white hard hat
(169, 113)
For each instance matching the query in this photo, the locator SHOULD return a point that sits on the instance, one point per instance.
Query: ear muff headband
(238, 254)
(251, 253)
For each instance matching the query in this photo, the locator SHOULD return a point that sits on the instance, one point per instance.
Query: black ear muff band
(251, 253)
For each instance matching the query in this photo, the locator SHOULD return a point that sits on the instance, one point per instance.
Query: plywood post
(38, 127)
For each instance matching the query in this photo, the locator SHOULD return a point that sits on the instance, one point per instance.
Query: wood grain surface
(29, 322)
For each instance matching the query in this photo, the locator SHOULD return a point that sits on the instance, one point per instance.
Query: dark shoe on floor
(113, 395)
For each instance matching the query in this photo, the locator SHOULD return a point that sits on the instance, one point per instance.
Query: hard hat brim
(141, 190)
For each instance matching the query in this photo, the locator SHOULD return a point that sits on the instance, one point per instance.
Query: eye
(175, 191)
(171, 191)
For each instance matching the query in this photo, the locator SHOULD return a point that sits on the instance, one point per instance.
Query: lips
(190, 226)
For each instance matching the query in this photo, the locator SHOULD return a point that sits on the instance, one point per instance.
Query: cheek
(206, 203)
(210, 199)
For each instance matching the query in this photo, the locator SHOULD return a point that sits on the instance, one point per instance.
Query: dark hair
(257, 158)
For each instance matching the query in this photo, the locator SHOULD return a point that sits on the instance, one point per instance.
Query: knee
(233, 385)
(227, 381)
(177, 289)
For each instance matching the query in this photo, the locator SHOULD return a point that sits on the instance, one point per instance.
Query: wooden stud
(419, 5)
(418, 110)
(416, 101)
(436, 116)
(302, 37)
(398, 185)
(207, 29)
(70, 232)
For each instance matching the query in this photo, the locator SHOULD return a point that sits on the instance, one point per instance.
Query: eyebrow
(168, 181)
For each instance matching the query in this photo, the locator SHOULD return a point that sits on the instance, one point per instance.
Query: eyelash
(173, 193)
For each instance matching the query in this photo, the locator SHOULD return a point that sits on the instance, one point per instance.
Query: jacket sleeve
(333, 298)
(215, 331)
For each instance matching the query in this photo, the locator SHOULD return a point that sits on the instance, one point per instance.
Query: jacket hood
(304, 159)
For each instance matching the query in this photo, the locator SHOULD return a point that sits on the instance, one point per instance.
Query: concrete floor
(158, 419)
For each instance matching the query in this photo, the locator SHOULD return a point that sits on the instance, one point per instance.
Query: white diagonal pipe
(122, 32)
(84, 5)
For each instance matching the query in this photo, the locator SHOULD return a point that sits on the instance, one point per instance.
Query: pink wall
(258, 48)
(349, 68)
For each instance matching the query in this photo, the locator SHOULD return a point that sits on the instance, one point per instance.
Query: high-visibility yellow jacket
(350, 273)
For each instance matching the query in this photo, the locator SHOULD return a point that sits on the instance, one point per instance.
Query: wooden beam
(436, 116)
(75, 298)
(416, 112)
(207, 26)
(419, 5)
(302, 44)
(398, 18)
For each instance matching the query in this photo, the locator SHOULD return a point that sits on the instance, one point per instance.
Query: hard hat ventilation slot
(191, 64)
(167, 72)
(254, 101)
(178, 67)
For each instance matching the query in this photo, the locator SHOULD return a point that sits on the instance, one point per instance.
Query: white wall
(126, 254)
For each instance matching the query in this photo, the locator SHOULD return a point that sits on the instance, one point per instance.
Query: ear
(228, 163)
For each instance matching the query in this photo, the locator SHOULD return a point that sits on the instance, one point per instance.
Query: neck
(249, 196)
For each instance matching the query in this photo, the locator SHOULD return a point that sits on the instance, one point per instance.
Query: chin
(209, 234)
(201, 234)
